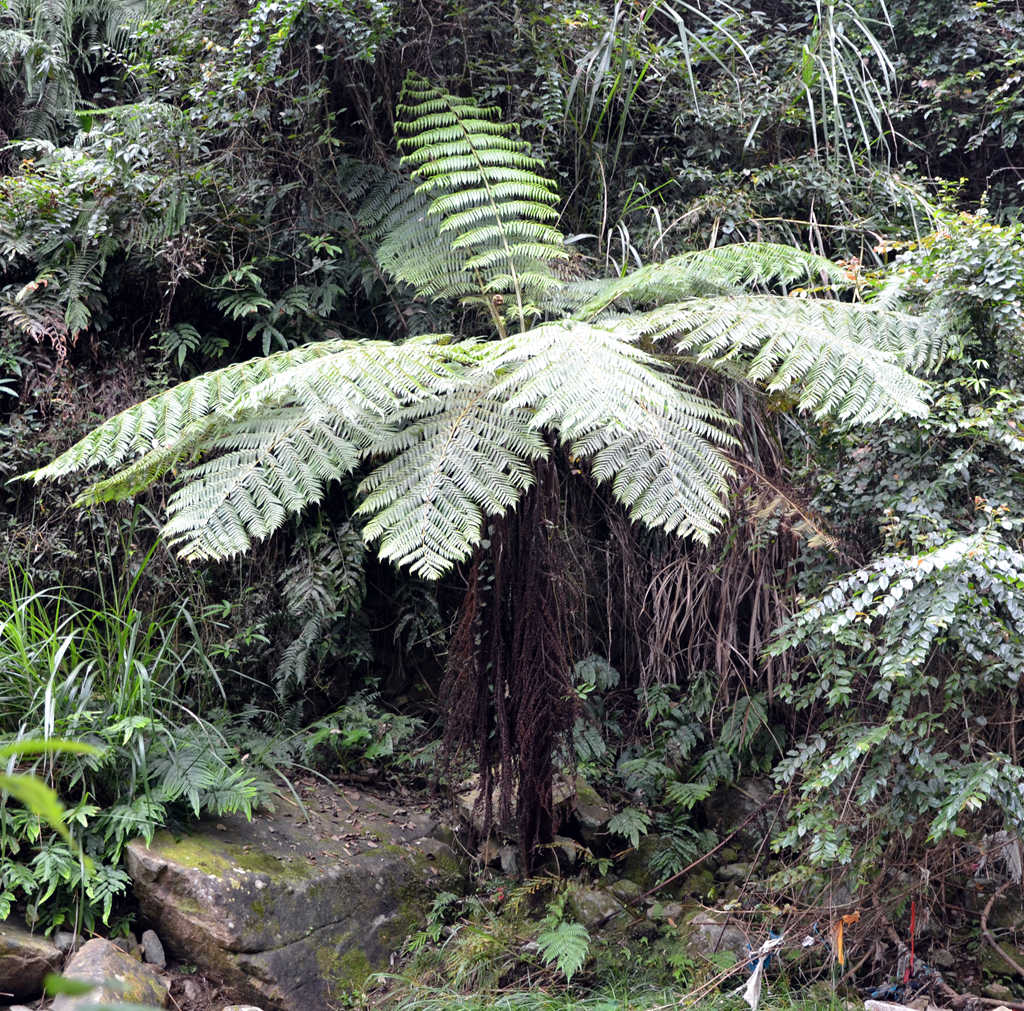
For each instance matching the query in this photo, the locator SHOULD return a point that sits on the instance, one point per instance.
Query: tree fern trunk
(508, 690)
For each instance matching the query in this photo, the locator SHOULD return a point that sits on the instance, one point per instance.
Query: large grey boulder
(24, 960)
(117, 977)
(294, 909)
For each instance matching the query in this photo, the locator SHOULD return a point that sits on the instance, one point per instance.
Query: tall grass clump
(96, 668)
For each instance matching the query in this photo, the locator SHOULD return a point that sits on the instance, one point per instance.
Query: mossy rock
(295, 908)
(637, 864)
(115, 976)
(994, 964)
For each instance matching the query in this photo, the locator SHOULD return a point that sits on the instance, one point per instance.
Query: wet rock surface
(297, 907)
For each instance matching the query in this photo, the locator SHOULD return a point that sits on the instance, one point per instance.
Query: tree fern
(463, 425)
(450, 431)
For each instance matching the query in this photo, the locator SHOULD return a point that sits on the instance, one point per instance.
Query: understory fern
(563, 943)
(566, 946)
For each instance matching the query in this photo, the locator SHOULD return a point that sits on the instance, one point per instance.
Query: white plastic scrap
(752, 991)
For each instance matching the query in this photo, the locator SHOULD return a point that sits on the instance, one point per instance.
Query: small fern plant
(447, 431)
(563, 943)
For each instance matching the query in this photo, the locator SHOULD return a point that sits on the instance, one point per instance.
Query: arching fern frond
(841, 359)
(654, 438)
(160, 421)
(470, 460)
(265, 469)
(702, 272)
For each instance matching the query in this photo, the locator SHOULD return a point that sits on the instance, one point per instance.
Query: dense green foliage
(746, 278)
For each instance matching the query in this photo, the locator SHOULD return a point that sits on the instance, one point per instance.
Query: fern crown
(448, 432)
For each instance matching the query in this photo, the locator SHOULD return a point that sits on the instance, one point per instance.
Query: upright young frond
(408, 244)
(490, 205)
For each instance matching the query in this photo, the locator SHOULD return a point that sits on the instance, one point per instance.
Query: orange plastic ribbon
(837, 932)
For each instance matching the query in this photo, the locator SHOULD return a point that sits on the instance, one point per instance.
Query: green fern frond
(161, 421)
(267, 469)
(566, 946)
(687, 796)
(630, 823)
(722, 270)
(485, 195)
(654, 438)
(461, 425)
(470, 461)
(841, 359)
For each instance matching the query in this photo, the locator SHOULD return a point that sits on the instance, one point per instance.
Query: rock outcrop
(24, 960)
(297, 907)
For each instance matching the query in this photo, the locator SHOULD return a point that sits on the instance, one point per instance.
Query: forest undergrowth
(621, 394)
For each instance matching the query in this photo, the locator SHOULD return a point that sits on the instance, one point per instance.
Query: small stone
(942, 959)
(129, 944)
(698, 883)
(153, 950)
(509, 857)
(728, 855)
(998, 991)
(66, 942)
(733, 872)
(592, 810)
(625, 890)
(566, 849)
(666, 911)
(189, 991)
(98, 961)
(708, 931)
